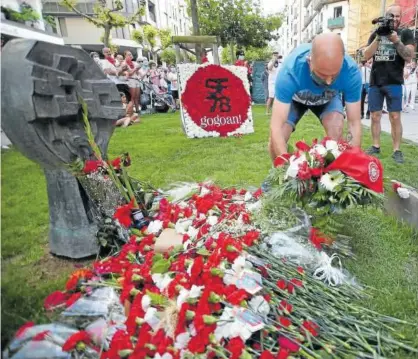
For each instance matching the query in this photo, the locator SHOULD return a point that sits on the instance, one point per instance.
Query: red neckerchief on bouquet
(363, 168)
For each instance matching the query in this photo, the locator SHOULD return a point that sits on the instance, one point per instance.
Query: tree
(148, 37)
(105, 17)
(237, 22)
(251, 54)
(168, 55)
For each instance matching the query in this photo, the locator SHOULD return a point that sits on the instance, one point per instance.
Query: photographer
(390, 47)
(273, 69)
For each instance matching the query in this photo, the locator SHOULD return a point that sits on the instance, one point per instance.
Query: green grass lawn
(387, 251)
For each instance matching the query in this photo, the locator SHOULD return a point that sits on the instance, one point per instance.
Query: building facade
(352, 20)
(75, 30)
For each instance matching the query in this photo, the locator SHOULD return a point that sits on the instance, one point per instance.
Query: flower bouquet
(325, 179)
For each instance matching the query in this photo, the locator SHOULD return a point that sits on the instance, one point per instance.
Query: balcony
(307, 20)
(307, 2)
(318, 4)
(336, 23)
(55, 8)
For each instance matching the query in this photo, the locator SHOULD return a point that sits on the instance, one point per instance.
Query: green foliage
(150, 34)
(168, 55)
(50, 20)
(138, 36)
(258, 54)
(237, 21)
(226, 55)
(26, 13)
(165, 38)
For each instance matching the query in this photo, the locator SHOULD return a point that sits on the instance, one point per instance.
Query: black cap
(240, 53)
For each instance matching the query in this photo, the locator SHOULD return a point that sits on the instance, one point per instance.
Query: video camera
(386, 25)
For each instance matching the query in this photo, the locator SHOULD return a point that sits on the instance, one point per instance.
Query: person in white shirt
(410, 75)
(365, 80)
(273, 68)
(172, 77)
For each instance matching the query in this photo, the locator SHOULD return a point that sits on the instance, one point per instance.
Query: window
(63, 26)
(151, 10)
(338, 11)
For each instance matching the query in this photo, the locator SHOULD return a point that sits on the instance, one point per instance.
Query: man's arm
(354, 122)
(372, 46)
(270, 65)
(278, 143)
(404, 51)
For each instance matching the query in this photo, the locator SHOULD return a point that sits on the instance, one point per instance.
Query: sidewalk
(409, 123)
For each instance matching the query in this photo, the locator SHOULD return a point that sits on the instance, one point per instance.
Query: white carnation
(329, 182)
(403, 192)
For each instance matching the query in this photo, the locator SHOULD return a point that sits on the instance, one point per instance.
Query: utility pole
(382, 7)
(196, 29)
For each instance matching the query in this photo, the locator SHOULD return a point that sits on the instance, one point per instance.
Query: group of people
(316, 76)
(124, 71)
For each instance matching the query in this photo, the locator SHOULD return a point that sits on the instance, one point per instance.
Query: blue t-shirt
(294, 81)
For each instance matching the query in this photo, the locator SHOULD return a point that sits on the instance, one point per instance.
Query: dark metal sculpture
(41, 114)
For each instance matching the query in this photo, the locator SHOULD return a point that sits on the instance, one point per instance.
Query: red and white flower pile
(217, 294)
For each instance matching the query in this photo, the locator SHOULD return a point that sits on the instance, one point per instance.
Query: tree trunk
(231, 49)
(196, 29)
(106, 36)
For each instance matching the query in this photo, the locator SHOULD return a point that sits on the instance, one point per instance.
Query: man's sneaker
(398, 156)
(372, 150)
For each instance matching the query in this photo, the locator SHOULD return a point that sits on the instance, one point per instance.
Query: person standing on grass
(312, 78)
(389, 54)
(365, 80)
(273, 68)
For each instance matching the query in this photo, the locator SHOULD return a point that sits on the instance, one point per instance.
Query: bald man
(389, 54)
(313, 77)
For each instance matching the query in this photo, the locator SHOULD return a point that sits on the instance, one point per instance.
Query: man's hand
(354, 122)
(394, 38)
(279, 131)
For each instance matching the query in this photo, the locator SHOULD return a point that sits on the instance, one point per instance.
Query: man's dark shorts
(297, 110)
(393, 95)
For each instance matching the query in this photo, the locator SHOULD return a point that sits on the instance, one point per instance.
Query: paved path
(409, 123)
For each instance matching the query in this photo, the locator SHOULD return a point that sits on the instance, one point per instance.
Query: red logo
(216, 99)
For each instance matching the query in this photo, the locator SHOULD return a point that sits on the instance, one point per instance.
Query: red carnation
(116, 163)
(70, 301)
(237, 297)
(290, 345)
(267, 355)
(55, 299)
(41, 336)
(285, 322)
(257, 194)
(91, 166)
(302, 146)
(281, 160)
(300, 270)
(21, 331)
(395, 186)
(311, 327)
(235, 347)
(282, 284)
(79, 337)
(285, 306)
(297, 282)
(124, 214)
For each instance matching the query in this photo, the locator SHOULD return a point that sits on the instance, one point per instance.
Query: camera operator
(390, 47)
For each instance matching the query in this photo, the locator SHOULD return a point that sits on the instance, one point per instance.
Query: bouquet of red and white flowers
(326, 178)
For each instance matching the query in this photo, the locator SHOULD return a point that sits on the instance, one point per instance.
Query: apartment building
(75, 30)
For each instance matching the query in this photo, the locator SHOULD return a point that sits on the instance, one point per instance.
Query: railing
(54, 7)
(307, 20)
(318, 4)
(335, 23)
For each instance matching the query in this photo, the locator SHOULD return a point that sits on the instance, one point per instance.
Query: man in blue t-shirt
(313, 77)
